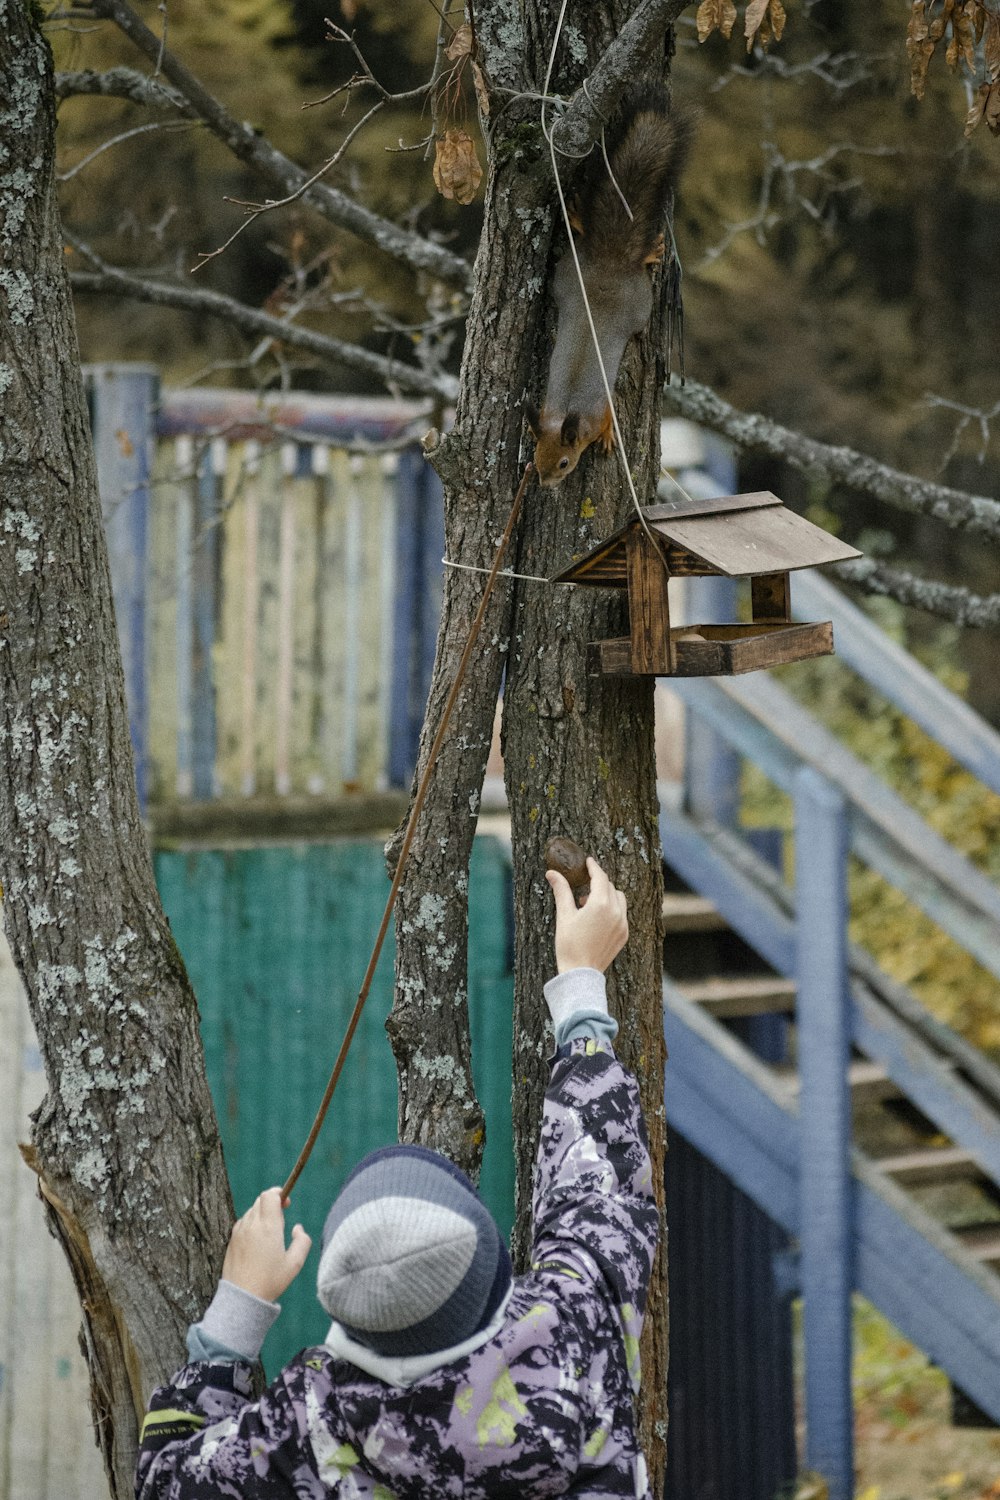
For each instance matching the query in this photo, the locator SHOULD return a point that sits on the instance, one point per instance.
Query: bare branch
(859, 471)
(942, 599)
(592, 105)
(257, 152)
(254, 210)
(111, 281)
(122, 83)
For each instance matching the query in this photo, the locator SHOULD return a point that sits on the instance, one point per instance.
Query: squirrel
(646, 145)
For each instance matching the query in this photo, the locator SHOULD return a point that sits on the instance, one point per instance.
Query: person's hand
(590, 936)
(256, 1259)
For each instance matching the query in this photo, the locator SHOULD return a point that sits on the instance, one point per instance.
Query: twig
(254, 210)
(125, 135)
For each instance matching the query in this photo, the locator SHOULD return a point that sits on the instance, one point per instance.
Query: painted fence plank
(826, 1228)
(370, 751)
(186, 460)
(405, 670)
(268, 606)
(204, 560)
(387, 609)
(288, 603)
(161, 636)
(236, 637)
(306, 762)
(335, 485)
(122, 401)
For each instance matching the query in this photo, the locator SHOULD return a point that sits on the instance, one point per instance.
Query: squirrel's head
(558, 444)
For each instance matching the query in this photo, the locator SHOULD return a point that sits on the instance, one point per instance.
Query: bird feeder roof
(738, 536)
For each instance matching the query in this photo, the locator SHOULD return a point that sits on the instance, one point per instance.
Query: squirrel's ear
(533, 420)
(570, 430)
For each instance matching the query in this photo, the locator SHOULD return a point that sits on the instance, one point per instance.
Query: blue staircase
(770, 1064)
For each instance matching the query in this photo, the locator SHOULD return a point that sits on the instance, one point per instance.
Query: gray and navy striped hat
(412, 1260)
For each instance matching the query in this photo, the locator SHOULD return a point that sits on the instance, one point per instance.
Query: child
(442, 1374)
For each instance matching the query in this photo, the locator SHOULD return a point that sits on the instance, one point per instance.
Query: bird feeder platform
(736, 536)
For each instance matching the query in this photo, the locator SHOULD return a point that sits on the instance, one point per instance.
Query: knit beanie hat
(412, 1261)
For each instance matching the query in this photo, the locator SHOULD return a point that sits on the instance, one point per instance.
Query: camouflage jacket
(545, 1407)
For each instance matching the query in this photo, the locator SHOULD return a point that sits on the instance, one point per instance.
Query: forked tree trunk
(579, 750)
(125, 1143)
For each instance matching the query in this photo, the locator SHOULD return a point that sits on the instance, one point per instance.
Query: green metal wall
(276, 941)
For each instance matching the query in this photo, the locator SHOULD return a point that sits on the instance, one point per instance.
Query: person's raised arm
(588, 939)
(594, 1210)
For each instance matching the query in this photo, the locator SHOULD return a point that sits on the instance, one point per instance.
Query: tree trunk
(125, 1143)
(579, 751)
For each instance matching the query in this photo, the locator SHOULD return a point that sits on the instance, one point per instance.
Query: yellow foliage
(910, 947)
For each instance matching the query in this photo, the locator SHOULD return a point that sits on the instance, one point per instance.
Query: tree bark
(579, 751)
(125, 1143)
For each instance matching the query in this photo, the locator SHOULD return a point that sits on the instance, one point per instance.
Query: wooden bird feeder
(737, 536)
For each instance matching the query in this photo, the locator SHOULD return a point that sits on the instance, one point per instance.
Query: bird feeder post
(649, 606)
(770, 597)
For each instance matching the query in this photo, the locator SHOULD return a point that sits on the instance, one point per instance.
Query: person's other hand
(257, 1259)
(590, 936)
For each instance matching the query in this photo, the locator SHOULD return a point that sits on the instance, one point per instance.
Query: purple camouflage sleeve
(593, 1181)
(204, 1437)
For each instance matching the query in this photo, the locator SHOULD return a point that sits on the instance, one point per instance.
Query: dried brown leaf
(457, 173)
(764, 21)
(715, 15)
(460, 44)
(963, 40)
(991, 114)
(991, 48)
(482, 93)
(916, 31)
(919, 47)
(978, 13)
(756, 11)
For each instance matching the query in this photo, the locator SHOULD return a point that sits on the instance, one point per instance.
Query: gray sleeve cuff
(594, 1025)
(577, 989)
(235, 1325)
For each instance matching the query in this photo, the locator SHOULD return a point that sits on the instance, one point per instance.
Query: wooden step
(983, 1242)
(868, 1081)
(931, 1164)
(685, 912)
(760, 995)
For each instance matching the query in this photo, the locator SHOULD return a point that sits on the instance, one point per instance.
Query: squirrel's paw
(657, 253)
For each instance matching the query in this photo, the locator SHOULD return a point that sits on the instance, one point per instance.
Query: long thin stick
(411, 828)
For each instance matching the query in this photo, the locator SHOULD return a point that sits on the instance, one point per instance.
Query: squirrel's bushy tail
(647, 144)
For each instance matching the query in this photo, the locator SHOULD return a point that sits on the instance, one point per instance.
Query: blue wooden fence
(277, 575)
